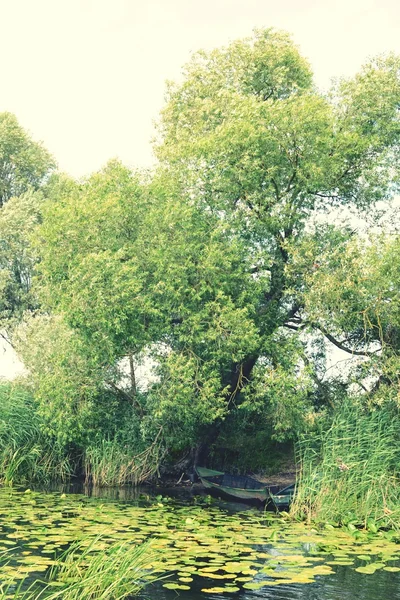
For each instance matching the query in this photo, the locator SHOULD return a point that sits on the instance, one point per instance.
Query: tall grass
(84, 573)
(26, 454)
(112, 462)
(349, 468)
(29, 455)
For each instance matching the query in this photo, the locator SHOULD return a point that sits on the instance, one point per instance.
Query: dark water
(198, 532)
(343, 585)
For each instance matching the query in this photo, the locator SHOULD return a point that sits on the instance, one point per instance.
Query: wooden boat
(244, 488)
(234, 486)
(283, 497)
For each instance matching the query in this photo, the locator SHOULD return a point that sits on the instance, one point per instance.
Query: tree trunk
(132, 374)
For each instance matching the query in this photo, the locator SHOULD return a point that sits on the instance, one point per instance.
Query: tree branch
(127, 397)
(132, 374)
(278, 196)
(341, 346)
(289, 326)
(6, 339)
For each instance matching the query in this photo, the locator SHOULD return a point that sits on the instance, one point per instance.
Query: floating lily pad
(190, 542)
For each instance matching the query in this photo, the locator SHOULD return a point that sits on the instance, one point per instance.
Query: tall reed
(26, 453)
(111, 462)
(84, 573)
(349, 468)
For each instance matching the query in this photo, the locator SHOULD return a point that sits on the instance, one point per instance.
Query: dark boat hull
(283, 497)
(244, 489)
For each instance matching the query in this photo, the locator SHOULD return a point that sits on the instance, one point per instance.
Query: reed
(349, 469)
(26, 453)
(121, 571)
(111, 462)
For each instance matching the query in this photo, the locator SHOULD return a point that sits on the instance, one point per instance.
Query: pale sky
(87, 77)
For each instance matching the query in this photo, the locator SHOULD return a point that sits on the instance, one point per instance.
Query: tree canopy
(24, 163)
(220, 263)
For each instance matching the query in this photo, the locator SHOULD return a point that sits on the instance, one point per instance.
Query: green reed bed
(83, 572)
(26, 454)
(350, 469)
(29, 454)
(112, 463)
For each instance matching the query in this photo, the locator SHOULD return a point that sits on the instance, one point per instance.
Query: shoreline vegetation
(264, 242)
(120, 571)
(349, 470)
(362, 490)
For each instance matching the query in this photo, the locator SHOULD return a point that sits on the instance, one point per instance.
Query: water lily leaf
(370, 569)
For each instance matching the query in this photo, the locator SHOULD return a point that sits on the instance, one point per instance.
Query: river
(203, 548)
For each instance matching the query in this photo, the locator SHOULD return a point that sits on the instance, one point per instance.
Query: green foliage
(67, 380)
(280, 391)
(350, 467)
(95, 273)
(368, 128)
(354, 285)
(24, 164)
(350, 291)
(26, 454)
(24, 167)
(18, 219)
(274, 157)
(207, 264)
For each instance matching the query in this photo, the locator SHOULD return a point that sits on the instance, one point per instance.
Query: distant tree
(24, 167)
(24, 163)
(18, 219)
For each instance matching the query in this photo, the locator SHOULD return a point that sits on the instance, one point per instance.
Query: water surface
(205, 549)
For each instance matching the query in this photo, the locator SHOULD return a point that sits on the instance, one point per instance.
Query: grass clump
(120, 571)
(113, 462)
(83, 572)
(26, 453)
(29, 453)
(350, 468)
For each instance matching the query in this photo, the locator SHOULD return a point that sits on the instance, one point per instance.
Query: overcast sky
(87, 76)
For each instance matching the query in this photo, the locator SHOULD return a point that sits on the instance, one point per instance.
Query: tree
(24, 164)
(352, 298)
(68, 382)
(24, 167)
(129, 266)
(202, 263)
(267, 159)
(18, 219)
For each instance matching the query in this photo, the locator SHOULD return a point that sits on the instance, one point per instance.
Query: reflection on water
(246, 554)
(345, 584)
(126, 493)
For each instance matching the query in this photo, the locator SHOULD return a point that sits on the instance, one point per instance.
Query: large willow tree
(210, 263)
